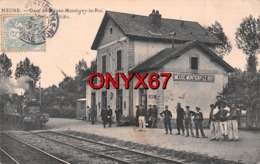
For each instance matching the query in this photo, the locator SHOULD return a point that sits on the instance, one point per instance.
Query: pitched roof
(157, 61)
(138, 26)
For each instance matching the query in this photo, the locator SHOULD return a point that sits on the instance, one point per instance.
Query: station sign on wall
(193, 77)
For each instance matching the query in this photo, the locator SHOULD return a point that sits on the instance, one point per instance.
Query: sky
(76, 32)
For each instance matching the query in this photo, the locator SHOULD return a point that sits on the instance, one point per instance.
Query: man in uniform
(104, 114)
(180, 116)
(109, 117)
(118, 113)
(167, 119)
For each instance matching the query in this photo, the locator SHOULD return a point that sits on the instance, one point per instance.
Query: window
(111, 30)
(104, 64)
(194, 63)
(119, 60)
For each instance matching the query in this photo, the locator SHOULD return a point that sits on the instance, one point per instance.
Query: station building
(129, 43)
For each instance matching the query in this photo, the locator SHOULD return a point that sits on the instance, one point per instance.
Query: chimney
(31, 89)
(155, 18)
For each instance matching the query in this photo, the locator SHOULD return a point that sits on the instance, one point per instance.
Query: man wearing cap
(141, 118)
(187, 121)
(167, 119)
(198, 119)
(180, 116)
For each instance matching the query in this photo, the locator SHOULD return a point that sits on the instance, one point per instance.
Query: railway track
(13, 150)
(115, 153)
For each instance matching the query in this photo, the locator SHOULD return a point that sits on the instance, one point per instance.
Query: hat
(137, 106)
(218, 96)
(197, 108)
(187, 106)
(212, 105)
(108, 106)
(178, 103)
(150, 105)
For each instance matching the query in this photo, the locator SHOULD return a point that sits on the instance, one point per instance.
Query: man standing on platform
(141, 118)
(104, 115)
(109, 117)
(187, 121)
(180, 116)
(167, 119)
(154, 114)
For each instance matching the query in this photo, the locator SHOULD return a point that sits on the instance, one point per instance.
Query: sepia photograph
(129, 81)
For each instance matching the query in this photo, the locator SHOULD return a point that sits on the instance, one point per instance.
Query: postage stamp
(23, 33)
(28, 32)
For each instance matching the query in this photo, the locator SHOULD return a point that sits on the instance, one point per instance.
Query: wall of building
(194, 94)
(146, 49)
(107, 38)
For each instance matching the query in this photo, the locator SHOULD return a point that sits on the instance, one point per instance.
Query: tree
(217, 30)
(5, 66)
(248, 40)
(83, 71)
(243, 89)
(69, 93)
(26, 68)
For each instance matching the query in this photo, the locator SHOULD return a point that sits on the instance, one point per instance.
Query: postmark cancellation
(23, 33)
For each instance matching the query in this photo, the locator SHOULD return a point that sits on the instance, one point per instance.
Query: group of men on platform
(145, 117)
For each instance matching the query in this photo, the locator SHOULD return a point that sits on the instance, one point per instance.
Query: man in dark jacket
(118, 113)
(167, 119)
(154, 114)
(109, 117)
(198, 119)
(180, 116)
(187, 121)
(104, 114)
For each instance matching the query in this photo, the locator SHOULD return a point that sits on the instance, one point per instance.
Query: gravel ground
(246, 150)
(23, 153)
(64, 152)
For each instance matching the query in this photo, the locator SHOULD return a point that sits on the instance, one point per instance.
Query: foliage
(248, 34)
(83, 71)
(5, 66)
(248, 40)
(243, 89)
(217, 30)
(26, 68)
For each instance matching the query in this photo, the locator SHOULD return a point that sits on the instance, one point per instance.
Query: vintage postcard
(129, 81)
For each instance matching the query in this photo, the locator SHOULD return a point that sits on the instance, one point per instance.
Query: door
(93, 99)
(119, 99)
(104, 100)
(143, 98)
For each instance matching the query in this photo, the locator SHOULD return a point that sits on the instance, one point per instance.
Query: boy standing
(187, 121)
(214, 123)
(167, 119)
(198, 119)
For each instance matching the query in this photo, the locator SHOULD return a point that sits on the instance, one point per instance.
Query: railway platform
(246, 150)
